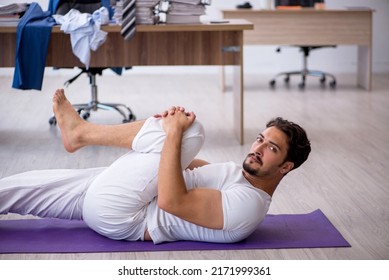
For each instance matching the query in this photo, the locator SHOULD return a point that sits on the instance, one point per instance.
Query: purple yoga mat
(312, 230)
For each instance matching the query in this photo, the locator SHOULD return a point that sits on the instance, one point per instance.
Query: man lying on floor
(158, 191)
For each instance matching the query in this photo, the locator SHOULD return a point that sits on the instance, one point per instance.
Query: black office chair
(89, 6)
(304, 72)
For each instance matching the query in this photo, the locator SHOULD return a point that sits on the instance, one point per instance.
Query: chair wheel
(272, 83)
(333, 84)
(52, 121)
(301, 85)
(131, 118)
(287, 79)
(323, 80)
(85, 116)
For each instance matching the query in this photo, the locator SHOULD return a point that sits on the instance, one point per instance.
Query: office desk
(189, 44)
(314, 28)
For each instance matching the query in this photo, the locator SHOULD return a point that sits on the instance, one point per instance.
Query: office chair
(84, 109)
(305, 71)
(305, 50)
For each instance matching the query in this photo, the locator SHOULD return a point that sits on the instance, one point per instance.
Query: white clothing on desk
(84, 30)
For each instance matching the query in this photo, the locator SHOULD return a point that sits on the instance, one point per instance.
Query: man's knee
(195, 133)
(192, 143)
(151, 136)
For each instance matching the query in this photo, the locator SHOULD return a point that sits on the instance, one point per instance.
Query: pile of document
(164, 11)
(146, 11)
(11, 14)
(181, 11)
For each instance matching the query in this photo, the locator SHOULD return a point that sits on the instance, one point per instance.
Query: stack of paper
(145, 11)
(182, 11)
(11, 14)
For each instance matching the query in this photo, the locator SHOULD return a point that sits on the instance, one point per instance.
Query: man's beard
(257, 171)
(246, 166)
(249, 169)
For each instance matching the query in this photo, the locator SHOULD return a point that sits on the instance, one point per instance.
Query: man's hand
(176, 120)
(171, 111)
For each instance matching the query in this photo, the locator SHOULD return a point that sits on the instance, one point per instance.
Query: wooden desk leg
(364, 67)
(238, 103)
(222, 79)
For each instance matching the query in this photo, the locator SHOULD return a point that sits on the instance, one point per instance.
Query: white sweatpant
(111, 200)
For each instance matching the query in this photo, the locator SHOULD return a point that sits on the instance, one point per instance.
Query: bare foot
(68, 121)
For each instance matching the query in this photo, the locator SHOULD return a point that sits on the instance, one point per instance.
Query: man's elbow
(167, 205)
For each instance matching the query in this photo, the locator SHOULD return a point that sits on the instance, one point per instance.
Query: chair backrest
(84, 6)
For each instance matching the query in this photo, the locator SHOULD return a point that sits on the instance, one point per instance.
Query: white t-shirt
(244, 207)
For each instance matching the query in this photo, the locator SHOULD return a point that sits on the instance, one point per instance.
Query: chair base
(314, 73)
(305, 71)
(84, 109)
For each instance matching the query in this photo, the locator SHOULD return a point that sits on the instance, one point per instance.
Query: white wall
(264, 59)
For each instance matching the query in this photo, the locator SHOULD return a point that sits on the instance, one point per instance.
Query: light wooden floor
(346, 175)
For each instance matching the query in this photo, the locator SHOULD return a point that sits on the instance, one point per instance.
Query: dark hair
(299, 145)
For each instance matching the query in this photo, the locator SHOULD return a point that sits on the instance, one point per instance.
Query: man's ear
(286, 167)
